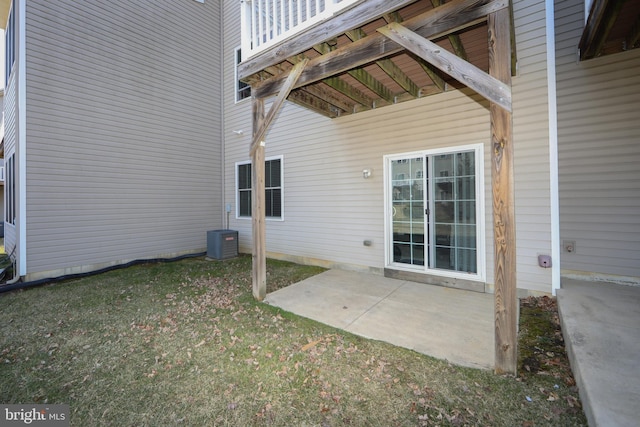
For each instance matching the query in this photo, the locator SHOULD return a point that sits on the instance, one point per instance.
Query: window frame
(10, 44)
(249, 190)
(242, 90)
(10, 190)
(480, 274)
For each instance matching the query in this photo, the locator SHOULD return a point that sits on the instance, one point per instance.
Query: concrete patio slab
(601, 327)
(445, 323)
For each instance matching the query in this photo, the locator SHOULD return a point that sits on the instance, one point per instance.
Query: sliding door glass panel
(408, 210)
(455, 212)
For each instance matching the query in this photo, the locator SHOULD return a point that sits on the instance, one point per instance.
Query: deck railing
(267, 22)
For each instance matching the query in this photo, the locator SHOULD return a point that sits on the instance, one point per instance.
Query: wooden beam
(362, 76)
(347, 19)
(454, 39)
(468, 74)
(258, 209)
(429, 69)
(602, 16)
(307, 100)
(371, 83)
(634, 35)
(292, 77)
(393, 17)
(338, 85)
(504, 226)
(323, 92)
(390, 67)
(399, 76)
(433, 74)
(438, 22)
(512, 32)
(350, 91)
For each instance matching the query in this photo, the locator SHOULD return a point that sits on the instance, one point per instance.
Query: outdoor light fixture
(366, 173)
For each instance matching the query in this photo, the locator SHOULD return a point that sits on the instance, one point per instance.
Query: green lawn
(184, 343)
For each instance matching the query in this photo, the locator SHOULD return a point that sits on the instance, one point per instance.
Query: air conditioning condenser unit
(222, 244)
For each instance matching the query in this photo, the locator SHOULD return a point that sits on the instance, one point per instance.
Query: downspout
(553, 146)
(223, 141)
(14, 268)
(21, 140)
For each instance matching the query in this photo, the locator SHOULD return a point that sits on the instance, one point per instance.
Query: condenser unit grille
(222, 244)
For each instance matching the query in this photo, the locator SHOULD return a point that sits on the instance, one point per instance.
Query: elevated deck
(353, 66)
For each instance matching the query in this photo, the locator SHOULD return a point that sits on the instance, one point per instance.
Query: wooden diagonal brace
(286, 88)
(466, 73)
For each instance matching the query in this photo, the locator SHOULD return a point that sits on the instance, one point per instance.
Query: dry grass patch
(184, 343)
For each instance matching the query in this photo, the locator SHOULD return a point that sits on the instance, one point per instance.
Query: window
(10, 44)
(273, 188)
(244, 190)
(10, 191)
(435, 211)
(243, 90)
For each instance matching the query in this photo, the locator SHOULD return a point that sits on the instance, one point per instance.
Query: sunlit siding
(123, 131)
(599, 154)
(329, 209)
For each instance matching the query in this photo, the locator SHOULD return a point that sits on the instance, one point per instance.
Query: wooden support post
(506, 302)
(261, 123)
(259, 257)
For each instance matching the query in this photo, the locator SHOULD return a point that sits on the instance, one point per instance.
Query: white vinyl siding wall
(123, 131)
(599, 154)
(331, 209)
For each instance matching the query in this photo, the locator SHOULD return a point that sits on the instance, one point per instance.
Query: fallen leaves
(310, 345)
(542, 353)
(573, 402)
(265, 412)
(541, 344)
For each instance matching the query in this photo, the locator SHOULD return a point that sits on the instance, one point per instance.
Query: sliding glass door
(433, 211)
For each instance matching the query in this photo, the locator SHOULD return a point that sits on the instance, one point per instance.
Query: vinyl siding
(4, 178)
(599, 153)
(10, 136)
(329, 209)
(531, 144)
(123, 132)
